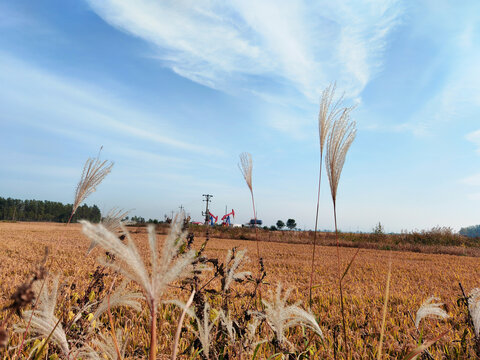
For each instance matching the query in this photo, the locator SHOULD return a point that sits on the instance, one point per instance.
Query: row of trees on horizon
(39, 210)
(44, 210)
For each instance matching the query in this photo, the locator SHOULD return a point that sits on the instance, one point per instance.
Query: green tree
(280, 224)
(379, 229)
(291, 224)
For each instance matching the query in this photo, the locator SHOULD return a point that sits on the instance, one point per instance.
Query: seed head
(246, 168)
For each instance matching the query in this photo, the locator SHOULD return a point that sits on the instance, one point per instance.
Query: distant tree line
(38, 210)
(470, 231)
(291, 224)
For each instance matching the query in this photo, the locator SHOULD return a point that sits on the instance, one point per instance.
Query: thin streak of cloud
(262, 46)
(76, 109)
(473, 180)
(474, 137)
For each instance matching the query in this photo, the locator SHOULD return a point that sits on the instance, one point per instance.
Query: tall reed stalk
(329, 111)
(385, 307)
(246, 167)
(340, 139)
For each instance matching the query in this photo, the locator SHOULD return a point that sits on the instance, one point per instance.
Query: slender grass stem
(315, 232)
(179, 326)
(153, 331)
(385, 305)
(340, 279)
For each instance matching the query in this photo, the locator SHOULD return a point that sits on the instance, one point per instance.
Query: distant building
(258, 223)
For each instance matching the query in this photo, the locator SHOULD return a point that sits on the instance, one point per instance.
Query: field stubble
(414, 278)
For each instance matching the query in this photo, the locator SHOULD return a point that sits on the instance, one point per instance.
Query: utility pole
(206, 213)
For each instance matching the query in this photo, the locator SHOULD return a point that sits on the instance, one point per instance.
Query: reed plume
(235, 259)
(474, 309)
(94, 171)
(204, 323)
(120, 297)
(107, 347)
(340, 139)
(112, 222)
(281, 316)
(246, 167)
(328, 113)
(429, 308)
(171, 266)
(43, 320)
(114, 219)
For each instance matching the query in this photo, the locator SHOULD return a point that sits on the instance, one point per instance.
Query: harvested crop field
(414, 278)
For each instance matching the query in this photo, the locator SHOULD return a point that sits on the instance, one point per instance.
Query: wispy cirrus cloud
(474, 137)
(262, 46)
(79, 110)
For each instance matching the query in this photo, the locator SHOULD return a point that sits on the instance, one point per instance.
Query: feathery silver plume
(227, 322)
(170, 267)
(204, 326)
(246, 167)
(112, 222)
(105, 346)
(474, 308)
(329, 111)
(120, 297)
(231, 272)
(43, 319)
(94, 171)
(429, 308)
(281, 316)
(341, 136)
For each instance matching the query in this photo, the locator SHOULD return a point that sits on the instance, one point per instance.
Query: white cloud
(262, 46)
(455, 98)
(473, 180)
(80, 110)
(474, 137)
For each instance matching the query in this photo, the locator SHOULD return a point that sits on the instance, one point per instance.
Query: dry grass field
(414, 278)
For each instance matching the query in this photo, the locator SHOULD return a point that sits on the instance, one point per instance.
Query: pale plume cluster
(246, 167)
(233, 262)
(341, 136)
(114, 219)
(474, 308)
(94, 171)
(106, 348)
(329, 112)
(43, 320)
(204, 325)
(228, 323)
(120, 297)
(112, 222)
(281, 316)
(166, 268)
(430, 308)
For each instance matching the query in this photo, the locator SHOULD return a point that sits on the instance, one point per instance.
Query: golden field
(414, 278)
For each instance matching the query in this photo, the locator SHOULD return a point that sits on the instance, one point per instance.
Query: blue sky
(176, 90)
